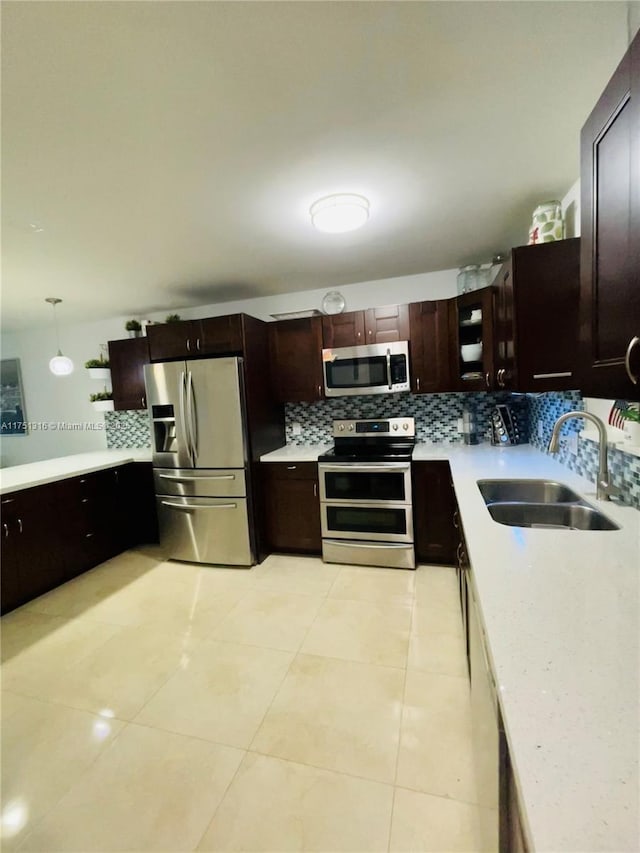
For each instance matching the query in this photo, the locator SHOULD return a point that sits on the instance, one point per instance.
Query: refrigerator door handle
(193, 419)
(187, 507)
(182, 394)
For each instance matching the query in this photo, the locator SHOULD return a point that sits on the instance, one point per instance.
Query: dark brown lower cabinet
(54, 532)
(292, 507)
(434, 505)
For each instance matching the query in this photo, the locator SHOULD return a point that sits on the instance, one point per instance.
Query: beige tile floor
(152, 706)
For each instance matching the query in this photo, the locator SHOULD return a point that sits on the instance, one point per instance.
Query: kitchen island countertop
(19, 477)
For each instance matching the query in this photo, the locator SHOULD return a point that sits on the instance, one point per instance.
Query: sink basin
(565, 516)
(529, 491)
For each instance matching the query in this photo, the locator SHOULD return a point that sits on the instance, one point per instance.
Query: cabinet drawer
(291, 471)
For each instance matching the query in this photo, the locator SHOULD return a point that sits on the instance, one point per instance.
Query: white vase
(103, 373)
(103, 405)
(632, 433)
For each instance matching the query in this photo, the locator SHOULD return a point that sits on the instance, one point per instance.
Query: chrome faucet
(604, 487)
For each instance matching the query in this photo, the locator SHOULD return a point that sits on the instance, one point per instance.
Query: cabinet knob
(358, 334)
(188, 344)
(417, 383)
(627, 359)
(487, 381)
(319, 390)
(370, 333)
(20, 525)
(5, 527)
(143, 400)
(315, 490)
(291, 467)
(198, 344)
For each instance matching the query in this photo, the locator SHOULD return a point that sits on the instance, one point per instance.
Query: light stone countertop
(19, 477)
(561, 612)
(296, 453)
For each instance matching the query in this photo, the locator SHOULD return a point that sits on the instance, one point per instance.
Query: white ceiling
(168, 152)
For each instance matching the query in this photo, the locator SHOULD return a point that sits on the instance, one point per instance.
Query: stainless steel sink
(529, 491)
(567, 516)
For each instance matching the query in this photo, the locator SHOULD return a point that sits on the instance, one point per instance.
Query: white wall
(50, 399)
(571, 211)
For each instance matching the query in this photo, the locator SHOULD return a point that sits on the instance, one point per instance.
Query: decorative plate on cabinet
(333, 302)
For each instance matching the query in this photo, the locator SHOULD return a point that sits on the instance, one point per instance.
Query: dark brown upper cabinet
(610, 228)
(194, 338)
(472, 341)
(430, 350)
(373, 326)
(541, 293)
(343, 330)
(295, 348)
(127, 359)
(386, 324)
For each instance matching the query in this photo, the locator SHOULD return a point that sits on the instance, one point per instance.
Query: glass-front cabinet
(473, 341)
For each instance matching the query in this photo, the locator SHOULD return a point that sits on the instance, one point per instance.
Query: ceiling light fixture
(59, 365)
(335, 214)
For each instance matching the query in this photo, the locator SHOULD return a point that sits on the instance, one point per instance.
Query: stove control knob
(405, 426)
(395, 426)
(351, 427)
(341, 427)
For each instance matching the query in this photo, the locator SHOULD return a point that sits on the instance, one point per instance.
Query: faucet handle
(608, 490)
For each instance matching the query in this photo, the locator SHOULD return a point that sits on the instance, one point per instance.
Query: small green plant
(631, 414)
(172, 318)
(97, 362)
(133, 326)
(101, 395)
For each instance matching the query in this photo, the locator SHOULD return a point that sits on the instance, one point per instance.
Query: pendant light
(59, 365)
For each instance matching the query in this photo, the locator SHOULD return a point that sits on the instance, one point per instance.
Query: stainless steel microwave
(374, 369)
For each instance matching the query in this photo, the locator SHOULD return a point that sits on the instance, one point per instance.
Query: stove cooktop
(337, 457)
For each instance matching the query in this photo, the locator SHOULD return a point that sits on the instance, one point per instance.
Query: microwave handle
(389, 370)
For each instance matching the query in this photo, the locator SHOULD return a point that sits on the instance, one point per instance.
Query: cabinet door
(472, 324)
(292, 507)
(387, 324)
(219, 335)
(296, 359)
(343, 330)
(434, 505)
(610, 228)
(546, 278)
(11, 593)
(504, 331)
(173, 340)
(128, 358)
(430, 351)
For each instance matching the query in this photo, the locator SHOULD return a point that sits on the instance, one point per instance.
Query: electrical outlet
(572, 443)
(540, 430)
(296, 428)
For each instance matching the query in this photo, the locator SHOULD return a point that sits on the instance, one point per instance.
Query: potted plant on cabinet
(172, 318)
(98, 368)
(631, 418)
(134, 327)
(102, 401)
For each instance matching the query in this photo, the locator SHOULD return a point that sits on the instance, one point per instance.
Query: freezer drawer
(205, 530)
(200, 482)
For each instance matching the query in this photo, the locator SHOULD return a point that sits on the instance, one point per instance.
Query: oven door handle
(354, 467)
(389, 370)
(383, 545)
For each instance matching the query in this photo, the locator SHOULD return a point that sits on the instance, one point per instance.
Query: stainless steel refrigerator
(200, 460)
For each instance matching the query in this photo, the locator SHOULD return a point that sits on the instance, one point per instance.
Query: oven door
(373, 522)
(382, 483)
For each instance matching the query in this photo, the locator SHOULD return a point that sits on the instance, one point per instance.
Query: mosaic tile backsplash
(436, 414)
(127, 429)
(624, 467)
